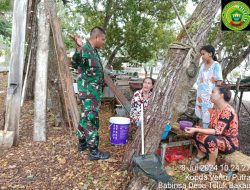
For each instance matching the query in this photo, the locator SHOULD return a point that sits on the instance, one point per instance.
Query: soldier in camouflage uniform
(90, 83)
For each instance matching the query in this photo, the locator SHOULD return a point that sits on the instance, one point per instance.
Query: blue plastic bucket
(118, 130)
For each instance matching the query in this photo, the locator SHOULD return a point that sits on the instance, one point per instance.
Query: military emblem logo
(236, 15)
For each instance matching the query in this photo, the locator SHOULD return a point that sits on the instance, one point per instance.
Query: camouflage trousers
(90, 97)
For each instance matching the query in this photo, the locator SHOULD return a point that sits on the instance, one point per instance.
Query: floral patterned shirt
(137, 100)
(206, 82)
(225, 123)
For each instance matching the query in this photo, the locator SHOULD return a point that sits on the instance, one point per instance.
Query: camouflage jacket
(89, 66)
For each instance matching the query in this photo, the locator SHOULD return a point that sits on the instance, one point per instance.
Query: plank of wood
(40, 99)
(119, 95)
(242, 87)
(16, 67)
(69, 99)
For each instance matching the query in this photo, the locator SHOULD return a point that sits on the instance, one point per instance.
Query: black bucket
(151, 165)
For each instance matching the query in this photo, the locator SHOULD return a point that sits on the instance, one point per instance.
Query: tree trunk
(151, 71)
(170, 95)
(16, 67)
(40, 101)
(109, 13)
(113, 54)
(146, 71)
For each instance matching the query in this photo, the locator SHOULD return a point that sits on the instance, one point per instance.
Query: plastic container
(184, 124)
(118, 130)
(166, 131)
(175, 153)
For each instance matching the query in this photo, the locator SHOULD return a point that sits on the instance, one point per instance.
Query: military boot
(82, 146)
(95, 154)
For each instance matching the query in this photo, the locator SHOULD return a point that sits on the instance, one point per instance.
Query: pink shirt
(137, 100)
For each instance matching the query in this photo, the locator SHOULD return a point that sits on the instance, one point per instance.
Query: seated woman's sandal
(196, 160)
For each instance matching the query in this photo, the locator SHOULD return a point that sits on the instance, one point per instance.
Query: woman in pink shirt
(141, 97)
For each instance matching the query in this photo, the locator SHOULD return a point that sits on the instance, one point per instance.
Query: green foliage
(5, 48)
(235, 43)
(234, 75)
(117, 65)
(5, 27)
(230, 46)
(232, 42)
(5, 5)
(140, 30)
(5, 30)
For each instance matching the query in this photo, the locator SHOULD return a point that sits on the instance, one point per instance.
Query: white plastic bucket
(118, 130)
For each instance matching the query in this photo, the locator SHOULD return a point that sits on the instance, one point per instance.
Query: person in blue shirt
(210, 75)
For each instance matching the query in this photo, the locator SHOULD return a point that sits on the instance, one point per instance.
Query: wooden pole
(236, 93)
(240, 102)
(25, 80)
(16, 67)
(69, 99)
(40, 102)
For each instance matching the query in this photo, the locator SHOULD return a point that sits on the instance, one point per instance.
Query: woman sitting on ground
(221, 136)
(141, 96)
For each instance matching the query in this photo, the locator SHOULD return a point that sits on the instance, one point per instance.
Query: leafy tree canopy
(136, 30)
(230, 46)
(5, 27)
(232, 42)
(5, 5)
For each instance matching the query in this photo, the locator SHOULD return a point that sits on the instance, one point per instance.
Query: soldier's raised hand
(78, 41)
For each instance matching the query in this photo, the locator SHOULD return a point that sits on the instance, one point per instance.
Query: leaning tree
(175, 79)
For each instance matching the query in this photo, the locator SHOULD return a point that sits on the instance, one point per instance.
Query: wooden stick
(25, 79)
